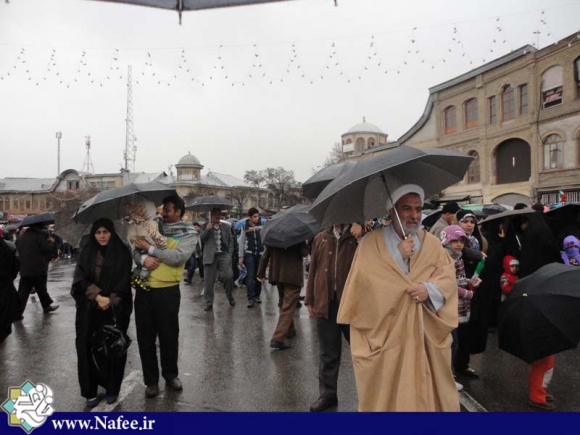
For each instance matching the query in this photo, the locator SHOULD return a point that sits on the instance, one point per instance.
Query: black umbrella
(312, 187)
(540, 317)
(290, 227)
(208, 203)
(111, 203)
(493, 209)
(37, 219)
(361, 193)
(508, 213)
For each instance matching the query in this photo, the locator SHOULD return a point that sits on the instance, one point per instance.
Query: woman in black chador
(101, 288)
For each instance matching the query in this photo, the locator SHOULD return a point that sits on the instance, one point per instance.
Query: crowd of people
(414, 303)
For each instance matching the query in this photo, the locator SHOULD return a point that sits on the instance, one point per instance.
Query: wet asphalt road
(226, 365)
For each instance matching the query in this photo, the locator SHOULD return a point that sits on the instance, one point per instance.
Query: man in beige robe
(400, 301)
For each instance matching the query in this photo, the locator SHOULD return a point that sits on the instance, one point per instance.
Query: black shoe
(111, 399)
(543, 406)
(175, 384)
(208, 308)
(250, 304)
(299, 304)
(152, 391)
(550, 398)
(91, 403)
(257, 300)
(469, 373)
(51, 308)
(278, 345)
(187, 281)
(232, 302)
(321, 404)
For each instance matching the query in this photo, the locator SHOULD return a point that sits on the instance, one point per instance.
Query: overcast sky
(238, 120)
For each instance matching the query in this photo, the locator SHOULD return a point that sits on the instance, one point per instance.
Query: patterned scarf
(178, 230)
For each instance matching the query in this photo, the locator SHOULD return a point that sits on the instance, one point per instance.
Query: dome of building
(189, 160)
(364, 127)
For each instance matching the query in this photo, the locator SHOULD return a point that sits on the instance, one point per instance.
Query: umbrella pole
(394, 208)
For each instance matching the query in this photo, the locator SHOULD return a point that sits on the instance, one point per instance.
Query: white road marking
(470, 403)
(129, 383)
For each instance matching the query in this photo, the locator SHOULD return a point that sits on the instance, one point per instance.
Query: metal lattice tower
(130, 154)
(88, 167)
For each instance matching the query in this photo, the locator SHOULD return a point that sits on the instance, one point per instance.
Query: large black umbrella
(191, 5)
(290, 227)
(540, 317)
(361, 193)
(493, 209)
(508, 214)
(312, 187)
(111, 203)
(37, 219)
(208, 203)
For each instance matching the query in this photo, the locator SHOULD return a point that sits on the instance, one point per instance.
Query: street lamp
(58, 136)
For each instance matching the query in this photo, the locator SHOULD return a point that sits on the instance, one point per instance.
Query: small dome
(365, 127)
(189, 160)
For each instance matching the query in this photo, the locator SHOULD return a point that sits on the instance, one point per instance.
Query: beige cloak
(401, 349)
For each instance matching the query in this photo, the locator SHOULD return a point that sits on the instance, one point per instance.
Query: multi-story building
(519, 117)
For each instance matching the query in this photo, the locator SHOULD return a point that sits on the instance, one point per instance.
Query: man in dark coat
(331, 257)
(218, 247)
(9, 303)
(286, 271)
(35, 250)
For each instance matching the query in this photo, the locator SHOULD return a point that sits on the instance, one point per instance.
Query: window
(473, 174)
(73, 185)
(370, 142)
(524, 99)
(360, 145)
(2, 204)
(35, 204)
(508, 105)
(28, 204)
(492, 109)
(577, 76)
(471, 114)
(15, 205)
(553, 152)
(552, 89)
(450, 120)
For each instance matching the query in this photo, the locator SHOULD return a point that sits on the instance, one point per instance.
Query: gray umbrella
(361, 193)
(290, 227)
(111, 203)
(37, 219)
(208, 203)
(312, 187)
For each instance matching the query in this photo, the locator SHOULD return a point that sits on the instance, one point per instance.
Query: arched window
(450, 116)
(492, 109)
(553, 152)
(513, 161)
(360, 145)
(370, 142)
(473, 173)
(552, 89)
(508, 104)
(577, 76)
(349, 141)
(471, 115)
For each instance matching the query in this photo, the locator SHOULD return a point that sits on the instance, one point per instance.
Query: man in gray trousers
(218, 246)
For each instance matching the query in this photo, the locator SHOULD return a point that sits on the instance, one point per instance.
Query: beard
(407, 228)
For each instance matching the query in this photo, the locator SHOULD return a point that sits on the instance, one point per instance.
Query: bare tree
(255, 178)
(335, 156)
(240, 195)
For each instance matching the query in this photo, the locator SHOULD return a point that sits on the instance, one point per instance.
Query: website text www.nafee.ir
(104, 422)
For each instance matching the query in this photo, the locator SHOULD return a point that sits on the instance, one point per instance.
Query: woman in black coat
(102, 291)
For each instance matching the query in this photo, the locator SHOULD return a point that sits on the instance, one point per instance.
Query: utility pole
(58, 136)
(88, 167)
(130, 154)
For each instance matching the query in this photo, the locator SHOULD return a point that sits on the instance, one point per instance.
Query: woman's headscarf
(475, 237)
(116, 272)
(571, 254)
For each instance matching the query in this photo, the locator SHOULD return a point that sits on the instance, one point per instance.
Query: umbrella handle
(394, 208)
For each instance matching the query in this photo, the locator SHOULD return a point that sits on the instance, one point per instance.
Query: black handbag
(108, 343)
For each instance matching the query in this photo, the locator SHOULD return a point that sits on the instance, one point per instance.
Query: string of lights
(88, 69)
